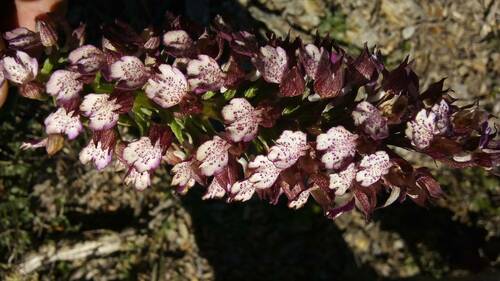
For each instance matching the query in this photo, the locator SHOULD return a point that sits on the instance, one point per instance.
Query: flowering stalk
(242, 116)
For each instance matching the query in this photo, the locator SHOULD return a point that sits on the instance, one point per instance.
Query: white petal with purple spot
(242, 119)
(97, 154)
(142, 154)
(63, 122)
(168, 87)
(442, 111)
(19, 69)
(422, 129)
(371, 119)
(88, 57)
(265, 172)
(204, 74)
(373, 167)
(64, 85)
(213, 155)
(342, 181)
(140, 180)
(184, 176)
(214, 190)
(289, 147)
(339, 144)
(129, 70)
(272, 62)
(242, 191)
(300, 201)
(100, 110)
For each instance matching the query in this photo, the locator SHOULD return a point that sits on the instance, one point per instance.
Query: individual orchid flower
(100, 149)
(242, 119)
(63, 122)
(64, 85)
(204, 74)
(34, 144)
(168, 87)
(101, 110)
(143, 155)
(215, 189)
(371, 120)
(140, 180)
(87, 59)
(46, 28)
(242, 191)
(20, 68)
(300, 200)
(342, 181)
(422, 129)
(185, 176)
(372, 167)
(290, 146)
(339, 144)
(177, 42)
(272, 62)
(129, 71)
(310, 56)
(213, 155)
(264, 174)
(22, 39)
(442, 111)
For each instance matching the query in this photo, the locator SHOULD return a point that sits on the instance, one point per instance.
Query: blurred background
(62, 221)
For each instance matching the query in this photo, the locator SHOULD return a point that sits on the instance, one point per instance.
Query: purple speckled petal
(265, 172)
(272, 63)
(96, 153)
(87, 58)
(373, 167)
(242, 119)
(290, 146)
(143, 155)
(300, 200)
(129, 71)
(342, 181)
(339, 144)
(204, 74)
(242, 191)
(101, 111)
(63, 122)
(168, 87)
(64, 85)
(371, 120)
(422, 129)
(213, 155)
(140, 180)
(19, 69)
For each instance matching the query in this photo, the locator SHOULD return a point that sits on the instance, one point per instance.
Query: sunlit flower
(272, 62)
(129, 72)
(140, 180)
(342, 181)
(442, 111)
(339, 144)
(87, 59)
(213, 155)
(371, 120)
(185, 176)
(265, 172)
(177, 41)
(373, 167)
(204, 74)
(64, 85)
(143, 155)
(101, 111)
(290, 146)
(96, 153)
(168, 87)
(20, 68)
(422, 129)
(300, 200)
(63, 122)
(242, 191)
(242, 119)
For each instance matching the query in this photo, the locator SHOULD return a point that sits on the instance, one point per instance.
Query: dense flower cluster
(242, 116)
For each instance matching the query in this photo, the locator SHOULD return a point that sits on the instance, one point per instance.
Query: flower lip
(64, 85)
(242, 119)
(168, 87)
(19, 68)
(129, 71)
(87, 59)
(63, 122)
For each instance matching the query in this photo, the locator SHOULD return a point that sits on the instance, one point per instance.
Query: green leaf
(177, 128)
(290, 109)
(229, 94)
(208, 95)
(47, 67)
(250, 92)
